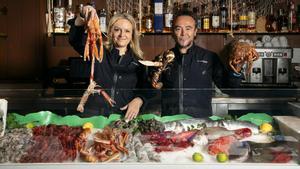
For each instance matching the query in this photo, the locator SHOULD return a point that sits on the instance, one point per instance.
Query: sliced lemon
(265, 128)
(88, 125)
(29, 125)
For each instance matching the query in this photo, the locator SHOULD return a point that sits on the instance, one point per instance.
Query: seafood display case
(172, 141)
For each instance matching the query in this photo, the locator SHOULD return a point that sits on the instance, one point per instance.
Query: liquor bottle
(235, 21)
(147, 21)
(168, 17)
(197, 13)
(59, 17)
(206, 20)
(270, 20)
(292, 17)
(102, 20)
(282, 21)
(215, 16)
(176, 8)
(69, 15)
(243, 18)
(158, 16)
(223, 16)
(92, 3)
(251, 24)
(136, 16)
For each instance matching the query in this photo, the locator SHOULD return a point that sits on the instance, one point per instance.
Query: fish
(239, 151)
(275, 152)
(186, 125)
(237, 124)
(213, 133)
(184, 136)
(201, 123)
(259, 138)
(221, 144)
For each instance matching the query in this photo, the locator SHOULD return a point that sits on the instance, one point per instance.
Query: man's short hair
(184, 13)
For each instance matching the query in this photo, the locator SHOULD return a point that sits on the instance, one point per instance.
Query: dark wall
(21, 46)
(26, 52)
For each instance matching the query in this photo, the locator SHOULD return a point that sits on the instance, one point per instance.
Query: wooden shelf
(208, 33)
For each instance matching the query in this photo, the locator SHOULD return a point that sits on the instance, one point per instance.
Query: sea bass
(186, 125)
(233, 125)
(199, 124)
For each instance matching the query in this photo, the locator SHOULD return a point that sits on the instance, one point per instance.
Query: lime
(29, 125)
(265, 128)
(88, 125)
(222, 157)
(197, 157)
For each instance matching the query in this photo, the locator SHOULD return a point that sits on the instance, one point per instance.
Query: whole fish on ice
(197, 123)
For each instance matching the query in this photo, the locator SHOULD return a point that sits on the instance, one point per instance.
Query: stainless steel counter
(220, 105)
(295, 107)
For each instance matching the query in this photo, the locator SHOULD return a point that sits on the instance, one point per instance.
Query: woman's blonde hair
(135, 41)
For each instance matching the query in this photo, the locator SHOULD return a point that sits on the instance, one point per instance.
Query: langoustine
(94, 36)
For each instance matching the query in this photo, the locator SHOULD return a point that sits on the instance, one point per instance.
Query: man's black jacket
(188, 82)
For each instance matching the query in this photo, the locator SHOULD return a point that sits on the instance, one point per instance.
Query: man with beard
(188, 80)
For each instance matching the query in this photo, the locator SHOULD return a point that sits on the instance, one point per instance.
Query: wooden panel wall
(20, 51)
(3, 39)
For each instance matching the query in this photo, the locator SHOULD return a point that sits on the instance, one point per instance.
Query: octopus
(242, 53)
(164, 59)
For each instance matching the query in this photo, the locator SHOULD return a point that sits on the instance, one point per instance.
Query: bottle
(59, 17)
(197, 13)
(282, 21)
(147, 20)
(223, 16)
(168, 17)
(176, 8)
(292, 18)
(243, 18)
(102, 20)
(251, 24)
(69, 15)
(235, 20)
(92, 3)
(206, 20)
(215, 16)
(136, 16)
(158, 16)
(186, 6)
(270, 20)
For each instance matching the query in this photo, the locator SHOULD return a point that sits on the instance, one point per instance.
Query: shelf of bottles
(212, 16)
(59, 12)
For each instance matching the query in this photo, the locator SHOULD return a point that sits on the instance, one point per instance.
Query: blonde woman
(119, 73)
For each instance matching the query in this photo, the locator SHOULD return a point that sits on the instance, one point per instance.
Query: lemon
(197, 157)
(265, 128)
(222, 157)
(29, 125)
(88, 125)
